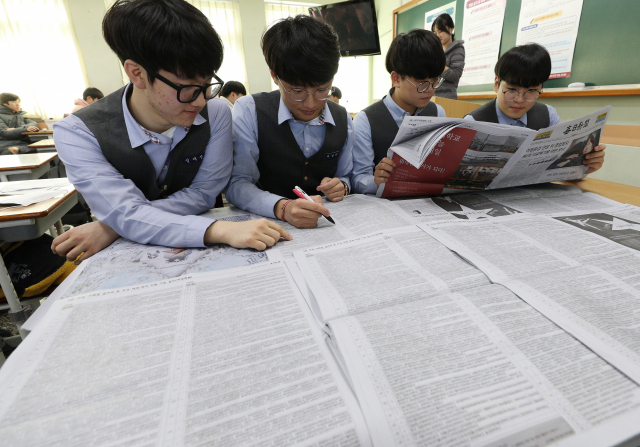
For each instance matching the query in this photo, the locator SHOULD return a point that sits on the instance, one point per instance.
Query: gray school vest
(105, 119)
(281, 163)
(537, 117)
(384, 127)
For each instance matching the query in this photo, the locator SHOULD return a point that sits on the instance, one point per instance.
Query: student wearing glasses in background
(415, 61)
(293, 136)
(520, 75)
(150, 156)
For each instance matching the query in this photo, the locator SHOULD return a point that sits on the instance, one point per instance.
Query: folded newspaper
(445, 155)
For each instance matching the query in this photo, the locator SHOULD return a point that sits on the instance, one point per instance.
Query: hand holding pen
(301, 213)
(303, 195)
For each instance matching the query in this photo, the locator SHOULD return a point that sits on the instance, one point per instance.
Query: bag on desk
(32, 266)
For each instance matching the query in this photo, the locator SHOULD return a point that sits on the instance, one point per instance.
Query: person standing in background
(454, 53)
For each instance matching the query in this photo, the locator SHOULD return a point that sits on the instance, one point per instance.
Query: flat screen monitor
(355, 23)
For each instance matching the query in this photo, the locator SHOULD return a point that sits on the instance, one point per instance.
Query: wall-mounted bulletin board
(607, 51)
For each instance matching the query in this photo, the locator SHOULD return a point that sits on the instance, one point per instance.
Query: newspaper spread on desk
(444, 155)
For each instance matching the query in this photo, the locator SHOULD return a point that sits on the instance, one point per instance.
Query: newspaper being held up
(445, 155)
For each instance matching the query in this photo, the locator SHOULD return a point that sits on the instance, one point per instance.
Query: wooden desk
(37, 136)
(46, 145)
(614, 191)
(30, 222)
(25, 166)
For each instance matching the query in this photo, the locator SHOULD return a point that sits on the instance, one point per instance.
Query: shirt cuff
(196, 231)
(365, 184)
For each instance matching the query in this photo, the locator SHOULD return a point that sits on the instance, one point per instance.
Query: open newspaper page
(545, 198)
(481, 368)
(382, 268)
(587, 284)
(474, 156)
(355, 215)
(225, 358)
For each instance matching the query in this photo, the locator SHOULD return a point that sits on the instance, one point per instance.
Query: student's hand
(11, 128)
(258, 234)
(301, 213)
(383, 171)
(87, 239)
(32, 129)
(595, 159)
(332, 188)
(14, 150)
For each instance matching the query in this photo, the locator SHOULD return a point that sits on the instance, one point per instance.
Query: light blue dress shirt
(117, 202)
(521, 122)
(363, 154)
(242, 190)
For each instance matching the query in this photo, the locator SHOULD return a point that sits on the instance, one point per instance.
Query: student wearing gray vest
(520, 75)
(293, 136)
(151, 156)
(415, 61)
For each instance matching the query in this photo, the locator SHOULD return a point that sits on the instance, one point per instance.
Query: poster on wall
(430, 16)
(482, 32)
(554, 25)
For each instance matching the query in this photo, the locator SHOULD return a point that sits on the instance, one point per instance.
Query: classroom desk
(38, 136)
(30, 222)
(25, 166)
(47, 145)
(610, 190)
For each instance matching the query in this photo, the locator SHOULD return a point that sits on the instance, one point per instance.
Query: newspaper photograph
(467, 156)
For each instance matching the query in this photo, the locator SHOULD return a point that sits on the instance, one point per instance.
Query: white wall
(101, 64)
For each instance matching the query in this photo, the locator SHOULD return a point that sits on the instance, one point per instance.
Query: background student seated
(415, 61)
(89, 96)
(520, 75)
(292, 136)
(336, 95)
(150, 156)
(12, 124)
(231, 91)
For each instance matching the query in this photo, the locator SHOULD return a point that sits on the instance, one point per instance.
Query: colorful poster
(554, 25)
(481, 34)
(430, 16)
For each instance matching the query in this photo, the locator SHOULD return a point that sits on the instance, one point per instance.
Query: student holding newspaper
(520, 75)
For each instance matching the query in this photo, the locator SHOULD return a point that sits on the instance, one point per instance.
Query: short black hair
(524, 66)
(418, 54)
(233, 87)
(6, 97)
(93, 92)
(442, 22)
(302, 51)
(336, 92)
(170, 35)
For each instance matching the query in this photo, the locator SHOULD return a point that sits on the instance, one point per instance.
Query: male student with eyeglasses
(415, 61)
(520, 75)
(293, 136)
(150, 156)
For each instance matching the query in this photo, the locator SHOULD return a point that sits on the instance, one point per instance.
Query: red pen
(303, 195)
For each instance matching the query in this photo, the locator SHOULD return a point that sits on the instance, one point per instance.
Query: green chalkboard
(607, 49)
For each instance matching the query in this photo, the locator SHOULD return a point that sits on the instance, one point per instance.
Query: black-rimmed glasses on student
(189, 93)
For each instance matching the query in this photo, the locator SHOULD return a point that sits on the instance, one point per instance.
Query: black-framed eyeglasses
(189, 93)
(511, 94)
(437, 83)
(300, 94)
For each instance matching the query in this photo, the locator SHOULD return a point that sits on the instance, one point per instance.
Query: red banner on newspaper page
(407, 180)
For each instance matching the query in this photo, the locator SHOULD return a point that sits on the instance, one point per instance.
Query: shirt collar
(504, 119)
(284, 114)
(396, 111)
(138, 135)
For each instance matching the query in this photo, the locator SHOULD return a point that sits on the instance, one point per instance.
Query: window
(41, 59)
